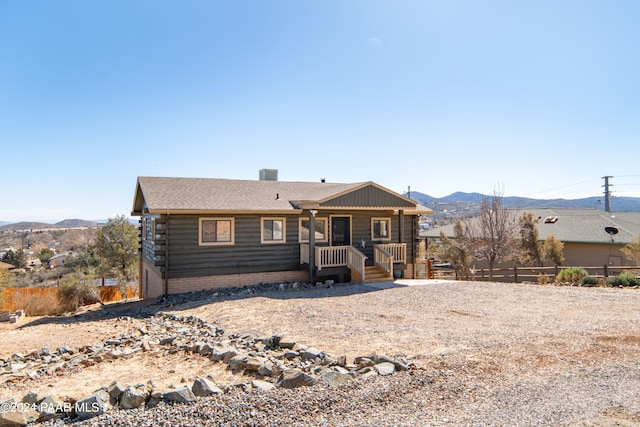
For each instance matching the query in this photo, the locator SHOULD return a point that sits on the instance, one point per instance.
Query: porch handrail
(356, 261)
(383, 258)
(336, 256)
(397, 250)
(331, 256)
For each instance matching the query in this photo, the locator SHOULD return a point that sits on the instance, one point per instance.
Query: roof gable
(369, 195)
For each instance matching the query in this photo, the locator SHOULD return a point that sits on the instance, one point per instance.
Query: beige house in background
(586, 242)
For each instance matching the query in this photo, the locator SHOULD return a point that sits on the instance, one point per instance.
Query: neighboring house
(583, 232)
(58, 260)
(199, 233)
(6, 266)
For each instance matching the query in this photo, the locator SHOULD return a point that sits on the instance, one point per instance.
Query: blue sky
(530, 98)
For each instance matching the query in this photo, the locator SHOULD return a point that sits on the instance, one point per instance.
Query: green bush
(589, 281)
(572, 275)
(624, 279)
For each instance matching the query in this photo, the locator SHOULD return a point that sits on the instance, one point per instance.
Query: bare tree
(493, 234)
(530, 245)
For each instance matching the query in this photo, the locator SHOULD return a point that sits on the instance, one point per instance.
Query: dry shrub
(543, 279)
(40, 305)
(74, 291)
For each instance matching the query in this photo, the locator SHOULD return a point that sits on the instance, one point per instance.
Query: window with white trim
(273, 230)
(380, 228)
(216, 231)
(321, 226)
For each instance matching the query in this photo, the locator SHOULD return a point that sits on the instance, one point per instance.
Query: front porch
(385, 257)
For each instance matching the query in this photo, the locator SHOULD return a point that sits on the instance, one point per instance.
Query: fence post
(429, 272)
(605, 271)
(515, 274)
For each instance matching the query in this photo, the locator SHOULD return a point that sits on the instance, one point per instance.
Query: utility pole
(607, 193)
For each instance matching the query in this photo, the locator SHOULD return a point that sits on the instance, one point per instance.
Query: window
(273, 230)
(320, 226)
(380, 229)
(217, 231)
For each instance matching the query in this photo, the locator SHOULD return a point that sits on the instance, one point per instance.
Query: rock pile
(264, 362)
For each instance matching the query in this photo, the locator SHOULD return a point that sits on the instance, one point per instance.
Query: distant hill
(68, 223)
(28, 225)
(467, 204)
(618, 204)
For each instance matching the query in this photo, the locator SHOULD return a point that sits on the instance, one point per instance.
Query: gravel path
(485, 354)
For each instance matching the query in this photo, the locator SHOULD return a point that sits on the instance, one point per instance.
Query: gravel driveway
(485, 354)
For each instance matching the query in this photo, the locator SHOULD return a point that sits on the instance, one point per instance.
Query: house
(58, 260)
(591, 238)
(201, 233)
(6, 266)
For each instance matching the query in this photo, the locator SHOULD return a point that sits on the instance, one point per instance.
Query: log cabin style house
(202, 233)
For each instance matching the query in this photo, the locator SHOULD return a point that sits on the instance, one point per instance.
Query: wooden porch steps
(374, 274)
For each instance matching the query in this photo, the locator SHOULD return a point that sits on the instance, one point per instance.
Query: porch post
(312, 244)
(401, 225)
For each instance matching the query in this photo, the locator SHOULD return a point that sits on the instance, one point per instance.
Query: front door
(340, 231)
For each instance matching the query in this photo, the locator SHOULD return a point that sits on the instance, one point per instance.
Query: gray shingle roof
(576, 225)
(164, 194)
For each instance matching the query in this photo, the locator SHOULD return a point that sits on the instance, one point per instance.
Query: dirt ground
(492, 330)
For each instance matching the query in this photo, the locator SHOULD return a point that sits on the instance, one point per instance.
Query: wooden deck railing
(356, 262)
(383, 259)
(335, 256)
(397, 250)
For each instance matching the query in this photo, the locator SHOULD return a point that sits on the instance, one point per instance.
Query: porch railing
(397, 250)
(336, 256)
(356, 262)
(383, 259)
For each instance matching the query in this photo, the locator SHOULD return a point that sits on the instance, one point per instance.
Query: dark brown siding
(369, 196)
(248, 255)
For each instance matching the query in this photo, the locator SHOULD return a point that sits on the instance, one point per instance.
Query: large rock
(311, 354)
(180, 395)
(262, 385)
(93, 405)
(335, 378)
(115, 390)
(53, 407)
(385, 368)
(17, 415)
(203, 387)
(294, 379)
(238, 362)
(134, 397)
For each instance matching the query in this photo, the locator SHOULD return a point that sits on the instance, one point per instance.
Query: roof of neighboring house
(6, 265)
(208, 195)
(574, 225)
